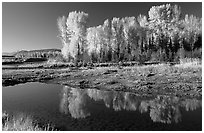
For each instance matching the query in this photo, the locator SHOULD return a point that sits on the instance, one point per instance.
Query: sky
(30, 26)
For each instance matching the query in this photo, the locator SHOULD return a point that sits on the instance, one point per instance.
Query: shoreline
(162, 79)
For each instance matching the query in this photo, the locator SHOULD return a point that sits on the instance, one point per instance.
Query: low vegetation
(180, 80)
(21, 122)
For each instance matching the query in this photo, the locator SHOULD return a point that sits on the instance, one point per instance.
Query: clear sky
(29, 26)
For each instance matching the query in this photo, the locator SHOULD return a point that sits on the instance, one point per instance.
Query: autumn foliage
(162, 36)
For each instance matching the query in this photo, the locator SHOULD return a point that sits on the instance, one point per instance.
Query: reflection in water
(165, 109)
(162, 109)
(75, 101)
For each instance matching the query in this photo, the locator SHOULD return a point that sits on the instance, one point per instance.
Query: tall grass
(21, 122)
(190, 62)
(188, 66)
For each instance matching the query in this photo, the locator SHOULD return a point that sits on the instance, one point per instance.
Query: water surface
(91, 109)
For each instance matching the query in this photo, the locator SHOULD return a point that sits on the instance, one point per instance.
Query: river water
(69, 108)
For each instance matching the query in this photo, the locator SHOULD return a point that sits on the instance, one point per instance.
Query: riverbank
(162, 79)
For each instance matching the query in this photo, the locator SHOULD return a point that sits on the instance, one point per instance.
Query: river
(70, 108)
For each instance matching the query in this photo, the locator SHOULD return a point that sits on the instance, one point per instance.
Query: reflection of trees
(64, 103)
(125, 101)
(74, 100)
(116, 100)
(191, 104)
(97, 95)
(165, 109)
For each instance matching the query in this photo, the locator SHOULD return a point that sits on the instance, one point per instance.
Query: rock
(120, 67)
(110, 71)
(41, 66)
(150, 74)
(112, 82)
(83, 83)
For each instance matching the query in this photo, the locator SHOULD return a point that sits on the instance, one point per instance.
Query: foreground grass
(21, 123)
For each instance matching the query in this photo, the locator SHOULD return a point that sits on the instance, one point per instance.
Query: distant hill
(8, 54)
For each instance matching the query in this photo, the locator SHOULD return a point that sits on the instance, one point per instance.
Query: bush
(197, 53)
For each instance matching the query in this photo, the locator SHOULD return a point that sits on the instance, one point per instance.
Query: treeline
(44, 53)
(162, 36)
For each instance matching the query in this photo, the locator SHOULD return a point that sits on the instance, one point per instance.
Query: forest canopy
(161, 36)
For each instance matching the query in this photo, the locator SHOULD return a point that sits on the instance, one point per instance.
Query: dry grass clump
(21, 122)
(188, 67)
(190, 62)
(151, 69)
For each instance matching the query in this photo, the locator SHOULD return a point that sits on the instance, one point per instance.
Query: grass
(190, 62)
(185, 66)
(21, 122)
(157, 78)
(54, 63)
